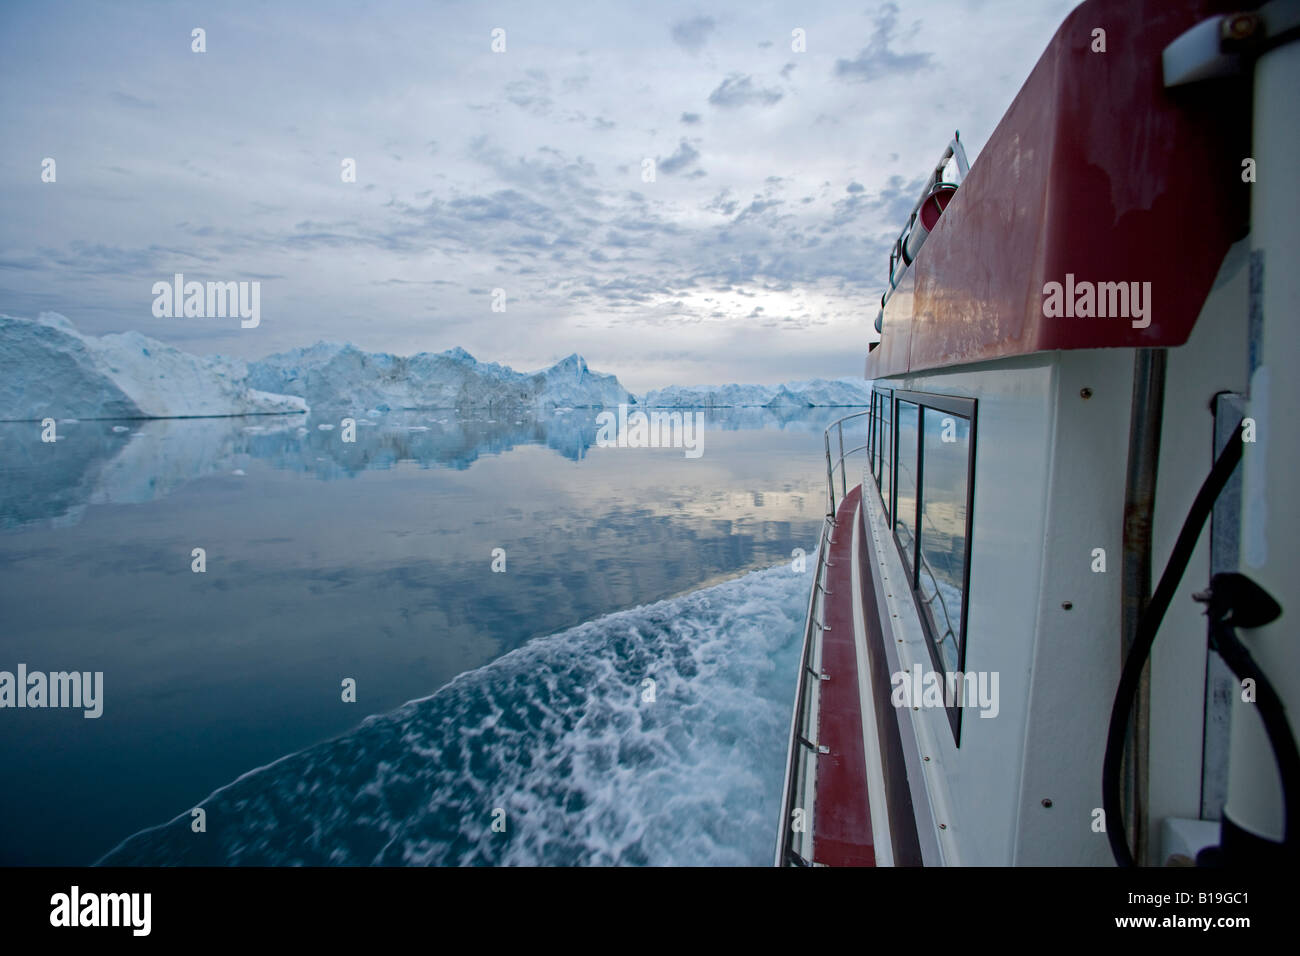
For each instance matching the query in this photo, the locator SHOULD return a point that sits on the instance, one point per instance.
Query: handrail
(947, 621)
(803, 745)
(831, 466)
(799, 738)
(934, 183)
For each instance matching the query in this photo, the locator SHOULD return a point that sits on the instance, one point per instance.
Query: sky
(757, 253)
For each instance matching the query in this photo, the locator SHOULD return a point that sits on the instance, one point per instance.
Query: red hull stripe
(842, 812)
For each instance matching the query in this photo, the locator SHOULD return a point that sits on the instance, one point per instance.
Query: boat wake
(591, 763)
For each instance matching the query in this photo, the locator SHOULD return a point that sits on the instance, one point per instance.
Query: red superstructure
(1096, 171)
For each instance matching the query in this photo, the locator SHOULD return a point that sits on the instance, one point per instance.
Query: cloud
(739, 90)
(876, 59)
(98, 258)
(531, 93)
(890, 206)
(723, 203)
(690, 119)
(756, 207)
(551, 171)
(134, 102)
(694, 33)
(686, 155)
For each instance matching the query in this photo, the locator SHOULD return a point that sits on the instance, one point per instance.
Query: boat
(1048, 618)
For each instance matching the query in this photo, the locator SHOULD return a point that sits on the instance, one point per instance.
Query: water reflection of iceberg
(132, 462)
(106, 462)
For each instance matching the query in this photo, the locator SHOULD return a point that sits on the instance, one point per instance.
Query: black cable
(1267, 699)
(1144, 637)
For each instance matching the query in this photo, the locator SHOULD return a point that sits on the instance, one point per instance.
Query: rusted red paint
(841, 812)
(1096, 171)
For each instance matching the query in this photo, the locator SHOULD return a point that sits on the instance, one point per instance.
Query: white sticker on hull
(1254, 512)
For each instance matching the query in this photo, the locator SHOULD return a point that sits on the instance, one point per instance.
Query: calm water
(372, 561)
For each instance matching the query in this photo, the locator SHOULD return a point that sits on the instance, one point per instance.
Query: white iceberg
(816, 392)
(332, 375)
(50, 370)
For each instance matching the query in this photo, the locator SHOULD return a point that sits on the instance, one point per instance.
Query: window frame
(966, 409)
(885, 442)
(871, 431)
(909, 561)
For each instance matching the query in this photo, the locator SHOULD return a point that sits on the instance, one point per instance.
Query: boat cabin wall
(1048, 489)
(1044, 596)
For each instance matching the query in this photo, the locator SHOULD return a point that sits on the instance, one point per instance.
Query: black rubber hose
(1148, 626)
(1276, 725)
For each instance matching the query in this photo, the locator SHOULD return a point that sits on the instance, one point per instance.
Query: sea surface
(618, 691)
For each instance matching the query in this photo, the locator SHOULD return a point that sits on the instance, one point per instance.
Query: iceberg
(50, 370)
(342, 376)
(810, 394)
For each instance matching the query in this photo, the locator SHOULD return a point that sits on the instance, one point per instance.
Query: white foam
(557, 734)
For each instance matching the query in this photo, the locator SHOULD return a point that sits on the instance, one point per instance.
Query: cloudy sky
(756, 254)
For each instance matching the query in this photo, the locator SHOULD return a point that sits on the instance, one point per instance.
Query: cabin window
(941, 578)
(908, 417)
(873, 437)
(924, 467)
(886, 448)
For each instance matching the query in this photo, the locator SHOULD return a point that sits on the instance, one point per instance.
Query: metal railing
(908, 243)
(794, 846)
(838, 426)
(948, 630)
